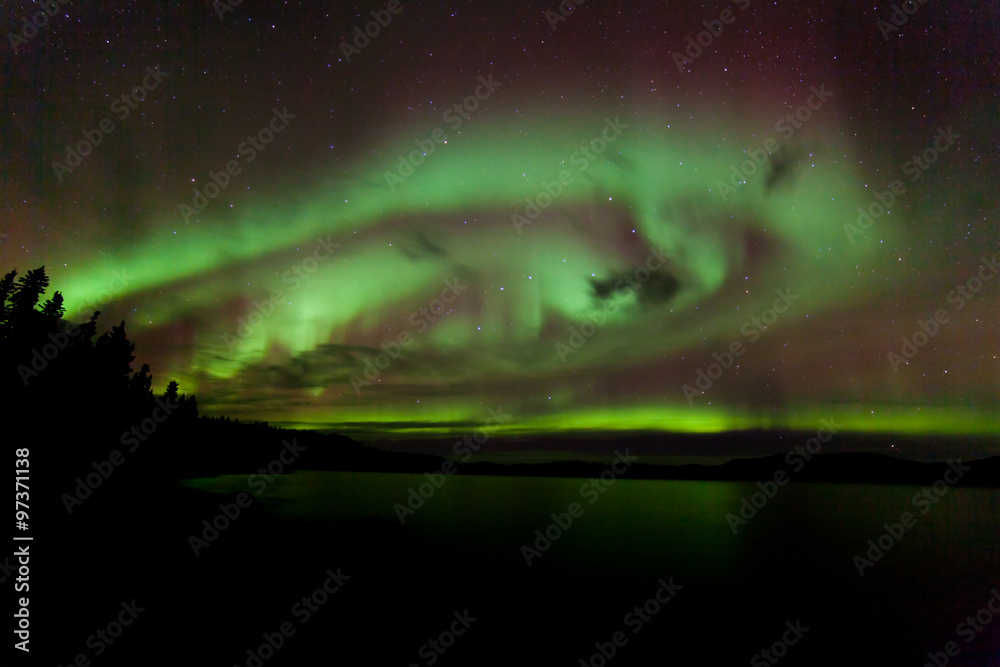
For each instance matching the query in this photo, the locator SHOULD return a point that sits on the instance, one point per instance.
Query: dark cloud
(660, 287)
(418, 246)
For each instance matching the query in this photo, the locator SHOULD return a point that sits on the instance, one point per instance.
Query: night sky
(378, 203)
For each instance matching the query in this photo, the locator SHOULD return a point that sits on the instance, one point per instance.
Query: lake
(794, 561)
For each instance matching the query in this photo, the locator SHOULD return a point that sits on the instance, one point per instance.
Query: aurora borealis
(575, 241)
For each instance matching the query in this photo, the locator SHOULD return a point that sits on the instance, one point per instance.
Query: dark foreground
(391, 591)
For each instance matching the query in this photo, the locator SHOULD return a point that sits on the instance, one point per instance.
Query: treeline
(70, 393)
(76, 399)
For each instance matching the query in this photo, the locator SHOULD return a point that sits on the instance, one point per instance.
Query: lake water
(793, 560)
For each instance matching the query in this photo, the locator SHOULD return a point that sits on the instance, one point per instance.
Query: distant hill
(842, 468)
(215, 446)
(231, 447)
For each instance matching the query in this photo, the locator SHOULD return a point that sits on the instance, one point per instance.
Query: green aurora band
(655, 186)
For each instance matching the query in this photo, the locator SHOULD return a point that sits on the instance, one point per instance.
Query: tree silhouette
(141, 382)
(171, 392)
(52, 371)
(19, 321)
(112, 360)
